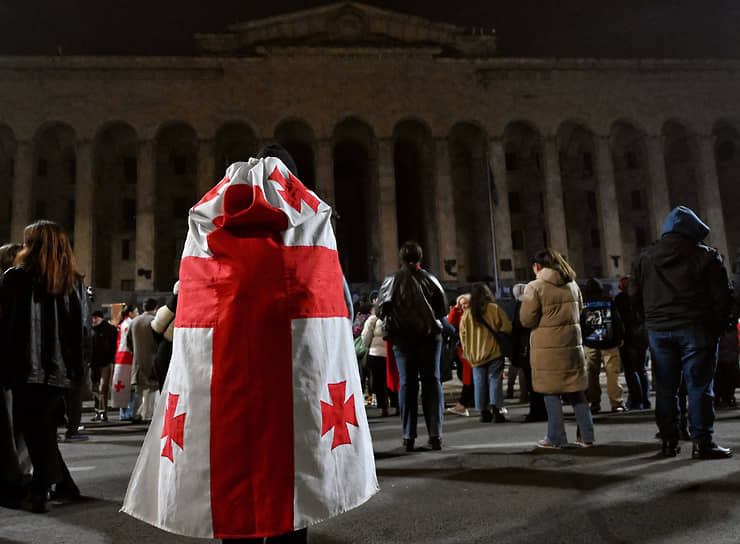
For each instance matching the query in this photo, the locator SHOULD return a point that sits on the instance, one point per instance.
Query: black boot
(486, 416)
(408, 444)
(670, 448)
(710, 451)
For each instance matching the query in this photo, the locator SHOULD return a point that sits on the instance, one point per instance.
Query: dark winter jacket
(42, 335)
(411, 304)
(635, 332)
(601, 324)
(680, 281)
(104, 344)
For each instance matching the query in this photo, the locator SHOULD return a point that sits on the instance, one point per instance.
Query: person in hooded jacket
(682, 287)
(42, 334)
(603, 335)
(551, 307)
(521, 354)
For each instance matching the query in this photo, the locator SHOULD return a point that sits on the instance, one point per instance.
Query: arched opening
(681, 166)
(7, 167)
(115, 171)
(468, 148)
(299, 139)
(413, 161)
(354, 182)
(176, 165)
(727, 157)
(629, 156)
(234, 142)
(526, 183)
(54, 175)
(577, 170)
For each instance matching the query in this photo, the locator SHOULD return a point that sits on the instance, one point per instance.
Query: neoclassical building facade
(398, 122)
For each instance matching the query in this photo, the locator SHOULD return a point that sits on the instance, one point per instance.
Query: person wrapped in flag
(261, 429)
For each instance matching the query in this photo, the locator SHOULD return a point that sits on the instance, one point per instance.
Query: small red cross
(294, 191)
(174, 427)
(338, 414)
(119, 385)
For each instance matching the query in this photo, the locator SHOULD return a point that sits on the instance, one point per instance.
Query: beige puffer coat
(552, 309)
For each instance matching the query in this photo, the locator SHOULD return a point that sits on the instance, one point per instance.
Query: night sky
(529, 28)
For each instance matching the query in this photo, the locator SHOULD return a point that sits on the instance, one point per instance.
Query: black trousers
(37, 409)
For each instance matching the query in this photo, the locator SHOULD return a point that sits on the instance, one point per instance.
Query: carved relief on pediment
(343, 25)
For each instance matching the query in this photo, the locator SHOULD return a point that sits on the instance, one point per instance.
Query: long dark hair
(549, 258)
(47, 257)
(480, 297)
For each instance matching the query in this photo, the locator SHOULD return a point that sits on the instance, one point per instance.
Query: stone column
(501, 213)
(710, 199)
(608, 206)
(22, 190)
(206, 167)
(387, 207)
(659, 200)
(557, 235)
(145, 209)
(84, 210)
(444, 208)
(325, 171)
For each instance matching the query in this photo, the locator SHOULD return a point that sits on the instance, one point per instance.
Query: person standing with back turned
(411, 304)
(682, 288)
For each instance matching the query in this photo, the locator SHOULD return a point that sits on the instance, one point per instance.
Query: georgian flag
(261, 428)
(121, 384)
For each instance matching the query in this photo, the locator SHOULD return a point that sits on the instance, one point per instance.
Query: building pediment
(346, 25)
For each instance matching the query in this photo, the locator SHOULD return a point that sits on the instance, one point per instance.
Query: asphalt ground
(488, 484)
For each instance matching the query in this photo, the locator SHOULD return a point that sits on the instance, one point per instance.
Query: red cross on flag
(121, 394)
(260, 429)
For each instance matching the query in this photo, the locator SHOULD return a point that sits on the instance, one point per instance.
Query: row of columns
(444, 198)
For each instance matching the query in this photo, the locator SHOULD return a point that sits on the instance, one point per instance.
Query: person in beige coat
(552, 308)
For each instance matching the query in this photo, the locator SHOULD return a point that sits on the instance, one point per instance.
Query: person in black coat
(104, 345)
(42, 332)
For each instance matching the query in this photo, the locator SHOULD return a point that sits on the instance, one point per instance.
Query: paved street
(489, 484)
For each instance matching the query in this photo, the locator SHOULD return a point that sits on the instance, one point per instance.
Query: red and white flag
(261, 428)
(121, 384)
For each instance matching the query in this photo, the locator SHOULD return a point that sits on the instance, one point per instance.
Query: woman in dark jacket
(42, 331)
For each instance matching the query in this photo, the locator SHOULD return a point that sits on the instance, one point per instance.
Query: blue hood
(684, 221)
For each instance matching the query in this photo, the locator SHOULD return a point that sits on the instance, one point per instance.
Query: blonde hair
(464, 296)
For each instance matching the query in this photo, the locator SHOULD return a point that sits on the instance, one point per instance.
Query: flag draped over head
(261, 428)
(121, 384)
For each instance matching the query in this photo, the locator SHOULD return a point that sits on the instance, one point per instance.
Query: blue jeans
(690, 352)
(128, 412)
(420, 361)
(555, 425)
(489, 385)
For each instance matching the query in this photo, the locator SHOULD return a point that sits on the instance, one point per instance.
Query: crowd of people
(676, 311)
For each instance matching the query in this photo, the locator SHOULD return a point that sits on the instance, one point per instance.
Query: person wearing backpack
(481, 330)
(603, 335)
(411, 304)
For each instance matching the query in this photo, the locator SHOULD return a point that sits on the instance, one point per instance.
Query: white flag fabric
(261, 427)
(121, 384)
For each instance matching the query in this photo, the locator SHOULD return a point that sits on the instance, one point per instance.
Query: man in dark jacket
(633, 349)
(105, 337)
(603, 334)
(412, 304)
(683, 290)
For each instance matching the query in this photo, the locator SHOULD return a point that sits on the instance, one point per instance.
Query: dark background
(527, 28)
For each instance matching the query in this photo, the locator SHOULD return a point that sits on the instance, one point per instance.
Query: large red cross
(119, 385)
(249, 294)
